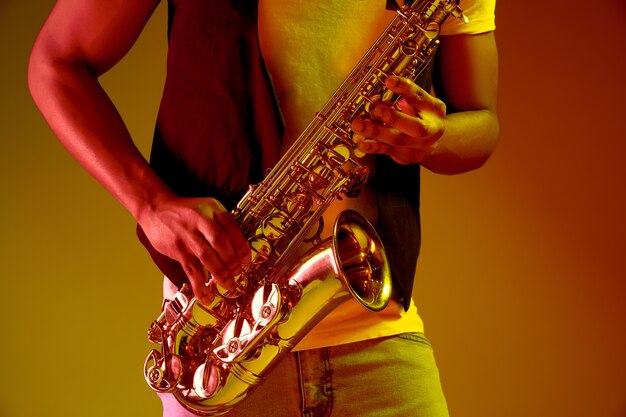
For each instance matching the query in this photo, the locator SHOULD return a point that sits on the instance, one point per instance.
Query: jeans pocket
(418, 337)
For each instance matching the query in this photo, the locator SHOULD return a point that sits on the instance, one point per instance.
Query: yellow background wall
(522, 270)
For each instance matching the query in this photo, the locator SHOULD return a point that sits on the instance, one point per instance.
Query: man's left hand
(408, 132)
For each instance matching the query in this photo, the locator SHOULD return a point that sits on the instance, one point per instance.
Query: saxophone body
(211, 357)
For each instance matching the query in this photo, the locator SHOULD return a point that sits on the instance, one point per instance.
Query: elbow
(43, 69)
(52, 69)
(37, 64)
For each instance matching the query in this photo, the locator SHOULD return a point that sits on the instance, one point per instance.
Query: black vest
(219, 127)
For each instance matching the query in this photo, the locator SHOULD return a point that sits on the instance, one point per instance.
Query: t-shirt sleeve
(481, 15)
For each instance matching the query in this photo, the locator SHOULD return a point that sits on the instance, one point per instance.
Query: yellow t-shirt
(310, 47)
(481, 15)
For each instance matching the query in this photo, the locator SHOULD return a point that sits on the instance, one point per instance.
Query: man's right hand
(202, 236)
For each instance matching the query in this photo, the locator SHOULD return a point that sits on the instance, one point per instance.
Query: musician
(223, 123)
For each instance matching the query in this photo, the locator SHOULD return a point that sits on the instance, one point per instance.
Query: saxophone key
(297, 204)
(234, 339)
(261, 249)
(273, 227)
(206, 380)
(298, 172)
(265, 305)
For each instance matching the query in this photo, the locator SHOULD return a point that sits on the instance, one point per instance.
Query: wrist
(153, 193)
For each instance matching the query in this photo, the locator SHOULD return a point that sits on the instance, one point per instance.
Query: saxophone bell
(350, 264)
(363, 261)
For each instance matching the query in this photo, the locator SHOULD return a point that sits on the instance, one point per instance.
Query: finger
(226, 240)
(406, 108)
(369, 129)
(198, 279)
(413, 127)
(221, 245)
(414, 95)
(395, 137)
(227, 223)
(209, 259)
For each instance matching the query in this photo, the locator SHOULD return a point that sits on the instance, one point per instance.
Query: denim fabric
(393, 376)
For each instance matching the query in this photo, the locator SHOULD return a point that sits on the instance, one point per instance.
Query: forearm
(86, 122)
(468, 140)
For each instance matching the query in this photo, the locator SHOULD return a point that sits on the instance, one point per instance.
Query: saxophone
(213, 356)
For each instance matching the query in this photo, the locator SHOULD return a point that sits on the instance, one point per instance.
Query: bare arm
(450, 134)
(467, 82)
(80, 41)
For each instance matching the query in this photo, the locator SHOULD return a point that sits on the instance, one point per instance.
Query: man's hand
(408, 133)
(202, 236)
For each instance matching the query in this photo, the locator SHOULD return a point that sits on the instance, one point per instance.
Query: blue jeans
(392, 376)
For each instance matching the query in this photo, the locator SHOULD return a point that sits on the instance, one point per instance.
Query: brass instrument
(213, 356)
